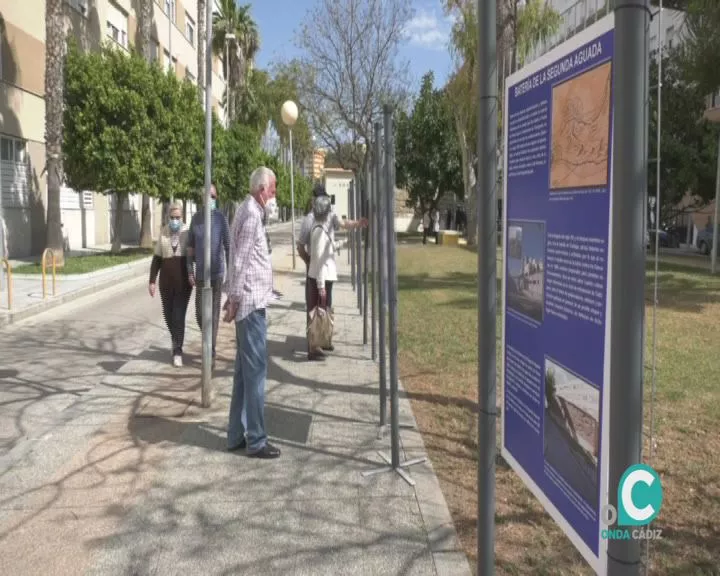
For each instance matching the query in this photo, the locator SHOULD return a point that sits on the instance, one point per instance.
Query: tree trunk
(143, 45)
(145, 223)
(144, 30)
(117, 236)
(54, 54)
(201, 40)
(468, 185)
(231, 88)
(471, 192)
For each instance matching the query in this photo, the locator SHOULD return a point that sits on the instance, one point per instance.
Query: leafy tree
(243, 144)
(688, 151)
(109, 135)
(179, 144)
(427, 153)
(701, 44)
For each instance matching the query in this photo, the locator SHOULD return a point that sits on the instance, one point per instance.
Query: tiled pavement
(141, 482)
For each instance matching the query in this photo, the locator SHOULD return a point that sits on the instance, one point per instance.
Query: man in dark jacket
(219, 254)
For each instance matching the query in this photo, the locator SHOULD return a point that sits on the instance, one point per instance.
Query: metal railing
(44, 265)
(6, 263)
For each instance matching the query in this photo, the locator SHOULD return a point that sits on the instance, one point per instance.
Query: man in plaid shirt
(249, 290)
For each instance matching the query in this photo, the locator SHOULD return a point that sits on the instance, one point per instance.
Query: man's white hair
(175, 206)
(261, 178)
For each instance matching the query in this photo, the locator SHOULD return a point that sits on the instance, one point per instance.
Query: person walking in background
(322, 270)
(170, 260)
(249, 290)
(219, 254)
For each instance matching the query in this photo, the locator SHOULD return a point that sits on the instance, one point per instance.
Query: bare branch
(350, 69)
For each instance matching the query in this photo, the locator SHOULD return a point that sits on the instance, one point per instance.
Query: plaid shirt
(249, 279)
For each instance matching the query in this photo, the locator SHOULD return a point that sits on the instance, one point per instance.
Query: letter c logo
(639, 496)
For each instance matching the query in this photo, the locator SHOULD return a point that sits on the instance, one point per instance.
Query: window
(669, 35)
(189, 29)
(80, 6)
(117, 24)
(190, 76)
(170, 9)
(13, 150)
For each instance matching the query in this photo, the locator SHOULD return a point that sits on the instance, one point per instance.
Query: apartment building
(576, 15)
(87, 216)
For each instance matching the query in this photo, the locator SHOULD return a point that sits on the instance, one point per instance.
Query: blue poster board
(558, 122)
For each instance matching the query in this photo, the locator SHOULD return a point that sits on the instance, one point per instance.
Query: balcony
(712, 107)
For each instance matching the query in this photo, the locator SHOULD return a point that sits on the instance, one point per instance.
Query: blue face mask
(175, 224)
(213, 204)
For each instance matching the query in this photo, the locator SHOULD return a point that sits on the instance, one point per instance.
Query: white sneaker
(177, 361)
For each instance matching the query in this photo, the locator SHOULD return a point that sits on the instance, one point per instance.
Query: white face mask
(271, 210)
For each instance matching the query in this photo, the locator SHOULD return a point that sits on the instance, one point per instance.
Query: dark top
(219, 245)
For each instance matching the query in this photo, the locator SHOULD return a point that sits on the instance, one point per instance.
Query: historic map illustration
(581, 130)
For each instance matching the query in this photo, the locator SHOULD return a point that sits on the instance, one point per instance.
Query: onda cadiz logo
(639, 501)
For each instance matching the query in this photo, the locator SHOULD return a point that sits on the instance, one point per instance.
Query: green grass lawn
(438, 363)
(89, 262)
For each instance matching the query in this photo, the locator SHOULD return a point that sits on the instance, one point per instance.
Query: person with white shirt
(332, 223)
(322, 269)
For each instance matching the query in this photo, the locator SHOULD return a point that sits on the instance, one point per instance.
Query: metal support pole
(713, 258)
(292, 199)
(372, 235)
(364, 212)
(358, 244)
(382, 278)
(351, 233)
(627, 295)
(207, 289)
(392, 288)
(392, 283)
(486, 208)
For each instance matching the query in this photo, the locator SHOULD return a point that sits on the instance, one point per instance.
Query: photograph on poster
(525, 268)
(580, 132)
(571, 442)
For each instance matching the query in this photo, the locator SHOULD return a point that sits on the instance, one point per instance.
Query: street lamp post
(289, 112)
(206, 288)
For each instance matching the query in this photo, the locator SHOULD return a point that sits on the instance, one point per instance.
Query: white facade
(337, 185)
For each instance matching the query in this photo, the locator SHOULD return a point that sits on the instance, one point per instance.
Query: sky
(426, 47)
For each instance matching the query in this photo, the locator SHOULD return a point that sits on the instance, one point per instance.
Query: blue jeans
(247, 407)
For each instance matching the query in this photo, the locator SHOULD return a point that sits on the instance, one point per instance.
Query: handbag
(320, 328)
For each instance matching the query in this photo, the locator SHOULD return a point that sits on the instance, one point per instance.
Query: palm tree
(235, 20)
(536, 22)
(54, 84)
(520, 26)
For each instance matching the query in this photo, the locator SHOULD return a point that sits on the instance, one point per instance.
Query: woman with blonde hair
(170, 260)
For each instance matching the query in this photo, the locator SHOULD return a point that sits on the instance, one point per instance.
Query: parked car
(705, 241)
(668, 238)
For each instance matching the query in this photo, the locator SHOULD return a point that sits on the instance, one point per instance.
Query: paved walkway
(27, 289)
(138, 480)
